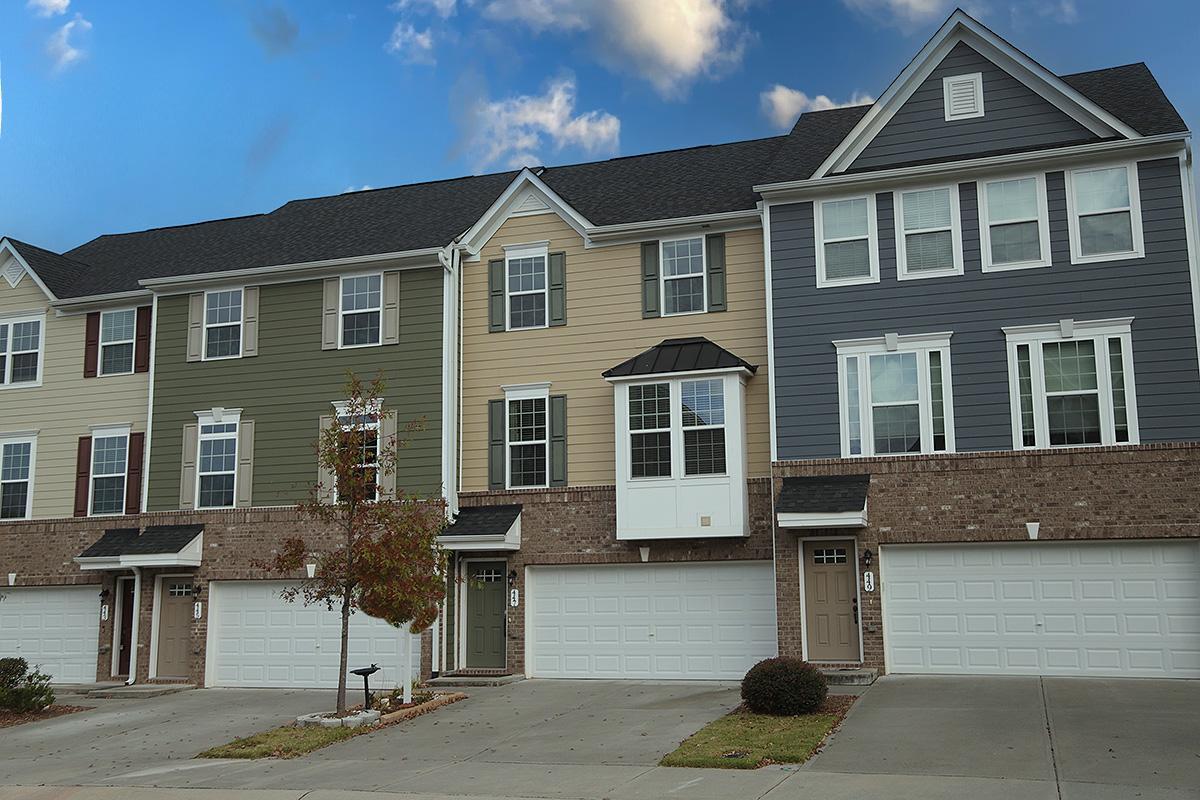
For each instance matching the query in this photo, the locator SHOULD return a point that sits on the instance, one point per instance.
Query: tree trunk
(341, 695)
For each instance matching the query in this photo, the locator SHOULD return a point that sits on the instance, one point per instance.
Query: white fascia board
(707, 223)
(667, 376)
(843, 519)
(82, 305)
(510, 540)
(6, 245)
(962, 27)
(486, 226)
(1160, 146)
(280, 273)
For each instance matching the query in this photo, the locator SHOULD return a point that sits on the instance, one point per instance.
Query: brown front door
(830, 601)
(125, 592)
(175, 628)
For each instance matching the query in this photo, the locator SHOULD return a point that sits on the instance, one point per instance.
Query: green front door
(485, 614)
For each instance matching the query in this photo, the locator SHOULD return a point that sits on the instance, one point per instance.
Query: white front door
(1122, 608)
(698, 620)
(257, 639)
(55, 628)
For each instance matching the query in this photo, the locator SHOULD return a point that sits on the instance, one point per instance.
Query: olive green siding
(291, 382)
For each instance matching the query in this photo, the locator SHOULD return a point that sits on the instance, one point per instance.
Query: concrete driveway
(1074, 738)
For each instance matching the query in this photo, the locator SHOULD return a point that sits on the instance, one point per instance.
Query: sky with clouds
(120, 115)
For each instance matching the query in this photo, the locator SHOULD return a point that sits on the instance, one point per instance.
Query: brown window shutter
(141, 341)
(133, 478)
(83, 475)
(91, 344)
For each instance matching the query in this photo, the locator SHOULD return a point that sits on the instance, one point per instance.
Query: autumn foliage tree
(383, 558)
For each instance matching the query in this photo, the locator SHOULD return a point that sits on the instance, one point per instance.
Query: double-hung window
(896, 395)
(1104, 214)
(526, 286)
(848, 246)
(929, 233)
(16, 477)
(1071, 384)
(662, 440)
(361, 310)
(223, 324)
(1014, 223)
(20, 351)
(650, 430)
(683, 276)
(528, 438)
(703, 409)
(361, 432)
(110, 466)
(216, 472)
(117, 331)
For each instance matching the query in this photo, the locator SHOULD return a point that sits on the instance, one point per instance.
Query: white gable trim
(961, 27)
(7, 247)
(526, 189)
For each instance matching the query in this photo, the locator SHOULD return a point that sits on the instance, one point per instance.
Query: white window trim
(679, 432)
(921, 344)
(985, 224)
(528, 250)
(872, 241)
(101, 433)
(32, 441)
(6, 377)
(373, 408)
(1068, 330)
(976, 79)
(204, 356)
(529, 391)
(342, 312)
(1135, 214)
(131, 340)
(662, 275)
(956, 247)
(678, 457)
(218, 416)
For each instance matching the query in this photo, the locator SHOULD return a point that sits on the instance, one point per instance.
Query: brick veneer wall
(1136, 492)
(577, 525)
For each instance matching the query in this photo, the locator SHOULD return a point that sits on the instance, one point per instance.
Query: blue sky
(127, 114)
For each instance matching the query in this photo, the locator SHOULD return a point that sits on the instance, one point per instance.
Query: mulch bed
(10, 718)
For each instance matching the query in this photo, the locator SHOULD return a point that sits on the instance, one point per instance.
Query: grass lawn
(744, 740)
(288, 741)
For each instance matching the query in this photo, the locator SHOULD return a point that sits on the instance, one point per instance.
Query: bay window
(896, 395)
(1071, 384)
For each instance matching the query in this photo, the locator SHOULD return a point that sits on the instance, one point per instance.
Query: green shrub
(22, 690)
(784, 686)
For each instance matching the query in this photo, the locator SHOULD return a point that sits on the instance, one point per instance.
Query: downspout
(764, 209)
(134, 644)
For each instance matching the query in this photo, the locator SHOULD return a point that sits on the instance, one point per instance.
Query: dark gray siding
(1155, 290)
(1015, 118)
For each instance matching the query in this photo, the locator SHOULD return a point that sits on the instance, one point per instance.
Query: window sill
(836, 283)
(900, 455)
(933, 273)
(528, 328)
(1105, 257)
(21, 385)
(1015, 267)
(220, 358)
(684, 313)
(359, 346)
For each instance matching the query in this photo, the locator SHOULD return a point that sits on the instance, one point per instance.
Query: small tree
(386, 562)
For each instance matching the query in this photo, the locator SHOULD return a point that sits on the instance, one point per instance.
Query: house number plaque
(514, 597)
(869, 581)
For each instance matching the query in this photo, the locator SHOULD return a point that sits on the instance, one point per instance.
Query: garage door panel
(56, 628)
(1097, 608)
(689, 621)
(261, 640)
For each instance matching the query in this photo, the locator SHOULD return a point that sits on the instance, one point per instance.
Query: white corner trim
(765, 212)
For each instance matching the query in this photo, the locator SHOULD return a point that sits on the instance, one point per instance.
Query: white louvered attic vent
(13, 272)
(531, 203)
(963, 95)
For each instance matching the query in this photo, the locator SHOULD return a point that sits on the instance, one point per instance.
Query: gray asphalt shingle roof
(154, 540)
(823, 494)
(483, 521)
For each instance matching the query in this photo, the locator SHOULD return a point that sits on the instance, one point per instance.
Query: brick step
(850, 676)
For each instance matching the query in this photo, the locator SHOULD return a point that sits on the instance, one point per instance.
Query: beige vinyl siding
(604, 327)
(66, 405)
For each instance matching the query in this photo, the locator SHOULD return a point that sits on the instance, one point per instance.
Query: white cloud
(59, 46)
(511, 132)
(411, 45)
(443, 8)
(904, 14)
(48, 8)
(667, 42)
(783, 104)
(366, 187)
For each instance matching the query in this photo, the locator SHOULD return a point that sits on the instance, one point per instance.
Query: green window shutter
(496, 437)
(558, 440)
(715, 251)
(650, 300)
(496, 295)
(558, 289)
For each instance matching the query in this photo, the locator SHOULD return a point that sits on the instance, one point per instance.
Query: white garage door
(56, 628)
(255, 638)
(663, 621)
(1047, 608)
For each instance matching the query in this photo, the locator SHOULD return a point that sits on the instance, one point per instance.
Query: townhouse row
(911, 388)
